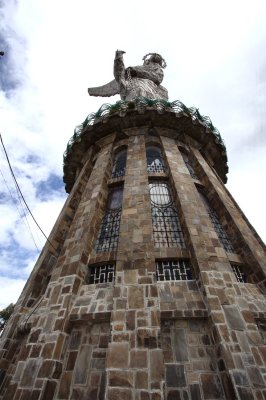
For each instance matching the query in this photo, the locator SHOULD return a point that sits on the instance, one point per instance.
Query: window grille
(119, 167)
(109, 230)
(102, 273)
(189, 165)
(239, 274)
(173, 270)
(167, 230)
(155, 162)
(222, 235)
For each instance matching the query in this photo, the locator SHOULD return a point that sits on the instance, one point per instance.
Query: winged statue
(144, 80)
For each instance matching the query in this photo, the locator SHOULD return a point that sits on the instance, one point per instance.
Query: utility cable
(23, 216)
(17, 185)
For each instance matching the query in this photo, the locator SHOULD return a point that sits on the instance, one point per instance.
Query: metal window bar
(109, 229)
(119, 167)
(102, 274)
(222, 235)
(239, 274)
(173, 270)
(167, 230)
(189, 165)
(155, 161)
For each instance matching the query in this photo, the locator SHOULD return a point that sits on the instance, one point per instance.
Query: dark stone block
(34, 336)
(35, 395)
(2, 375)
(195, 391)
(255, 377)
(102, 387)
(228, 386)
(93, 394)
(49, 390)
(211, 387)
(240, 378)
(98, 363)
(144, 395)
(173, 395)
(221, 365)
(245, 393)
(72, 356)
(175, 375)
(234, 318)
(75, 340)
(205, 340)
(180, 345)
(185, 395)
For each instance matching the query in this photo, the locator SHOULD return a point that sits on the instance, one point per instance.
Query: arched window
(166, 226)
(188, 164)
(109, 230)
(119, 167)
(155, 161)
(219, 229)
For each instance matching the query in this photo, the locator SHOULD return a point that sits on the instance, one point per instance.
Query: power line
(17, 185)
(23, 216)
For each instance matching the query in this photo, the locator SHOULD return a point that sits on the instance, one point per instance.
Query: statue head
(155, 58)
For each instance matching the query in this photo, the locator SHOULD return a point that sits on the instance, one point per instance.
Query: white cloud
(10, 290)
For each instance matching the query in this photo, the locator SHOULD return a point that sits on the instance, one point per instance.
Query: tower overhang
(184, 124)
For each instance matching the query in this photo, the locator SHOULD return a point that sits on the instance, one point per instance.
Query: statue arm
(154, 73)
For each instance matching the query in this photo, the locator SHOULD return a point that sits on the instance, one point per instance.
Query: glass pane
(115, 198)
(110, 226)
(222, 235)
(189, 165)
(102, 273)
(155, 161)
(160, 194)
(167, 230)
(173, 270)
(119, 164)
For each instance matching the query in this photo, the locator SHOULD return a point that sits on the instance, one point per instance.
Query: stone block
(72, 356)
(30, 372)
(141, 381)
(138, 359)
(135, 297)
(119, 394)
(65, 384)
(195, 391)
(180, 345)
(234, 318)
(211, 387)
(49, 390)
(82, 365)
(117, 355)
(174, 395)
(256, 377)
(245, 393)
(121, 378)
(156, 365)
(175, 375)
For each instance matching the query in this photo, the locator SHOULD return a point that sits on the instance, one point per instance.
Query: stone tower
(151, 287)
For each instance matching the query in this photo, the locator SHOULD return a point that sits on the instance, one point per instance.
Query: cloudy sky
(55, 49)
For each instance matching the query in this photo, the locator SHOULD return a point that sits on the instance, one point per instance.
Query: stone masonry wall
(138, 338)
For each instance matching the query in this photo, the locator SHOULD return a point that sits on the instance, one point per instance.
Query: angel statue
(144, 80)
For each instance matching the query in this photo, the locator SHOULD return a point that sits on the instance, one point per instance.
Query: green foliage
(5, 315)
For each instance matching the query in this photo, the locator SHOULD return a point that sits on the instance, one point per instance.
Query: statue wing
(110, 89)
